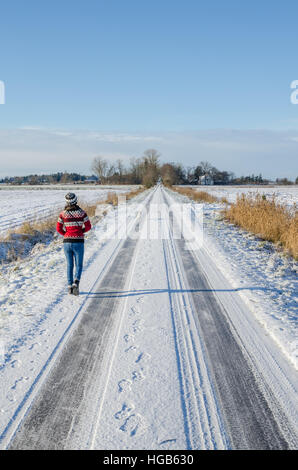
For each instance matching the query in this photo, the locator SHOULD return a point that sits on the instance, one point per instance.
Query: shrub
(267, 219)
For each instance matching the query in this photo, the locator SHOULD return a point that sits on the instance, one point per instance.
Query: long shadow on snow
(111, 294)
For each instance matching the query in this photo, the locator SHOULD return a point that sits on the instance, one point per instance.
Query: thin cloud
(38, 150)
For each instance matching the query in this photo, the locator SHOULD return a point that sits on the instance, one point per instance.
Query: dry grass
(290, 238)
(27, 228)
(17, 243)
(257, 214)
(198, 196)
(267, 219)
(112, 198)
(32, 229)
(134, 193)
(224, 200)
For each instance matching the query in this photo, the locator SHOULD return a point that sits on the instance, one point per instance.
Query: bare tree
(120, 167)
(120, 170)
(206, 167)
(135, 171)
(151, 156)
(150, 167)
(100, 167)
(110, 172)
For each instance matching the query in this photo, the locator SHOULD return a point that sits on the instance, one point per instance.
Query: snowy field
(21, 204)
(287, 195)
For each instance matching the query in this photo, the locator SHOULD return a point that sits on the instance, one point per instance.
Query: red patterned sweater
(73, 224)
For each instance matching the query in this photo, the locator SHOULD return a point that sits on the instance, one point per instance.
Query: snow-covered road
(158, 352)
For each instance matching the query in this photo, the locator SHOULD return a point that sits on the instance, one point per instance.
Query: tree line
(54, 178)
(146, 170)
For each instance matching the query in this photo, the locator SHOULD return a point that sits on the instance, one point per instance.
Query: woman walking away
(73, 223)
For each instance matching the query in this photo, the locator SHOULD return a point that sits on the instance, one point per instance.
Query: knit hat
(71, 199)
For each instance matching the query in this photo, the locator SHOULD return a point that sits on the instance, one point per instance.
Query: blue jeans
(74, 252)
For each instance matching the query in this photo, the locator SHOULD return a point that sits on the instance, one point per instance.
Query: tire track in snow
(204, 427)
(245, 411)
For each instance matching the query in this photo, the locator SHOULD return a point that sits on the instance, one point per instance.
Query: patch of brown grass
(224, 200)
(195, 195)
(32, 229)
(267, 219)
(134, 193)
(27, 228)
(112, 198)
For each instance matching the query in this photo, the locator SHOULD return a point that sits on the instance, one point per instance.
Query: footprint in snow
(124, 385)
(137, 326)
(128, 338)
(19, 381)
(143, 357)
(137, 376)
(134, 425)
(34, 345)
(16, 363)
(134, 311)
(10, 397)
(167, 441)
(125, 411)
(131, 349)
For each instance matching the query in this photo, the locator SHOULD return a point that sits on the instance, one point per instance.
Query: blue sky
(143, 68)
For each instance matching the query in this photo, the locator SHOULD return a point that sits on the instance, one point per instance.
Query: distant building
(91, 179)
(206, 180)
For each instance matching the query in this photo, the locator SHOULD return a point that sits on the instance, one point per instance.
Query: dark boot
(75, 287)
(70, 290)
